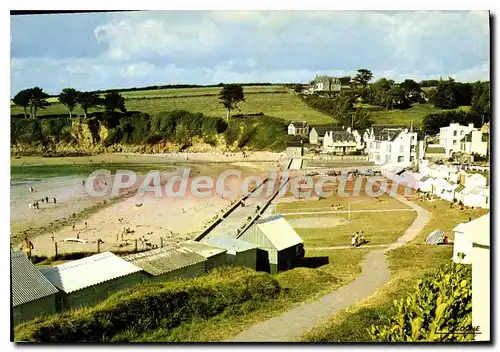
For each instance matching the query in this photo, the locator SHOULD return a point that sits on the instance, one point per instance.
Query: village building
(294, 151)
(475, 142)
(473, 180)
(299, 129)
(239, 252)
(450, 137)
(395, 146)
(435, 152)
(317, 133)
(340, 142)
(32, 294)
(280, 247)
(325, 84)
(214, 256)
(86, 281)
(478, 197)
(166, 264)
(481, 308)
(426, 183)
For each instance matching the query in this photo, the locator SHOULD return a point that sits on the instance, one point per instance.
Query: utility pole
(349, 211)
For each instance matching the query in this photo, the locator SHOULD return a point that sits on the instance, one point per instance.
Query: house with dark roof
(32, 294)
(394, 146)
(167, 264)
(324, 83)
(340, 142)
(298, 128)
(317, 132)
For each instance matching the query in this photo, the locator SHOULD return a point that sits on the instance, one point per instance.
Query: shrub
(440, 309)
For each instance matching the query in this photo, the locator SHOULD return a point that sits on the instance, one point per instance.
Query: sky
(134, 49)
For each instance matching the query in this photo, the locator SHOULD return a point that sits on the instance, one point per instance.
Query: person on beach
(83, 182)
(27, 247)
(357, 238)
(54, 200)
(362, 238)
(86, 226)
(31, 189)
(353, 241)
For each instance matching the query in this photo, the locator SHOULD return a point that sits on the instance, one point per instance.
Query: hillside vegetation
(140, 132)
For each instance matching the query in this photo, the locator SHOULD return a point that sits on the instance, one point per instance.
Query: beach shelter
(166, 264)
(214, 256)
(86, 281)
(239, 252)
(32, 294)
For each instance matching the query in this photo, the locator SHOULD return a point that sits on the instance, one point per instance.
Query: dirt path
(344, 211)
(375, 273)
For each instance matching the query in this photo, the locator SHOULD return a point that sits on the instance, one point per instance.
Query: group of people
(36, 204)
(358, 239)
(336, 207)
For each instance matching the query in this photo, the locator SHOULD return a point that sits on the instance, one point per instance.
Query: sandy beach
(133, 216)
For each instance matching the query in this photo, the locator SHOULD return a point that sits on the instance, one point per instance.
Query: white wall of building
(402, 151)
(450, 137)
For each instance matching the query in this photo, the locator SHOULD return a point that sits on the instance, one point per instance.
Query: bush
(440, 309)
(150, 306)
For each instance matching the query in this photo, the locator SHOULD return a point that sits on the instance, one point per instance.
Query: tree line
(33, 99)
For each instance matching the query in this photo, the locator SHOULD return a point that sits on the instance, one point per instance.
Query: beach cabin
(32, 294)
(239, 252)
(465, 234)
(426, 183)
(84, 282)
(481, 308)
(280, 247)
(214, 256)
(475, 180)
(166, 264)
(444, 189)
(476, 197)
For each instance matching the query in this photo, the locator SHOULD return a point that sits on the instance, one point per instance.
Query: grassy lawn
(298, 285)
(285, 105)
(379, 228)
(408, 264)
(361, 202)
(416, 114)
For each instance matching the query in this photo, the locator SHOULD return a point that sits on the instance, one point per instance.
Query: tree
(230, 95)
(23, 99)
(87, 100)
(37, 100)
(68, 98)
(480, 105)
(363, 77)
(445, 97)
(411, 90)
(297, 88)
(113, 101)
(357, 120)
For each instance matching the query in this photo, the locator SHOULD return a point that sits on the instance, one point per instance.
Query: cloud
(162, 47)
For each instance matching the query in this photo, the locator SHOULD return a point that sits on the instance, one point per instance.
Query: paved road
(345, 247)
(345, 211)
(297, 321)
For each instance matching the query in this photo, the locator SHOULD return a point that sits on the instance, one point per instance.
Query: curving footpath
(375, 273)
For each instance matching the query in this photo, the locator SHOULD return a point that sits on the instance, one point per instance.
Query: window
(388, 148)
(454, 142)
(401, 159)
(454, 133)
(462, 132)
(412, 158)
(401, 148)
(412, 148)
(387, 158)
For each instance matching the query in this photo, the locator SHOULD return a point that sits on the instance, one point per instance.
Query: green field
(273, 101)
(414, 114)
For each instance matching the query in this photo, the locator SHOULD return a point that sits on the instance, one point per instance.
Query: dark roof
(431, 149)
(342, 136)
(299, 124)
(387, 134)
(321, 129)
(162, 260)
(28, 283)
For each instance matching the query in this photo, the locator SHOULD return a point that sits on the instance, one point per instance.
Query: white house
(481, 277)
(396, 146)
(340, 142)
(317, 133)
(475, 142)
(450, 137)
(298, 129)
(464, 235)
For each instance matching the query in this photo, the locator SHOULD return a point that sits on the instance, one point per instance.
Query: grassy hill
(274, 101)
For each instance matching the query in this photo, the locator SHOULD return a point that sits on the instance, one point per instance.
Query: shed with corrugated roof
(215, 256)
(86, 281)
(239, 252)
(166, 264)
(32, 294)
(280, 247)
